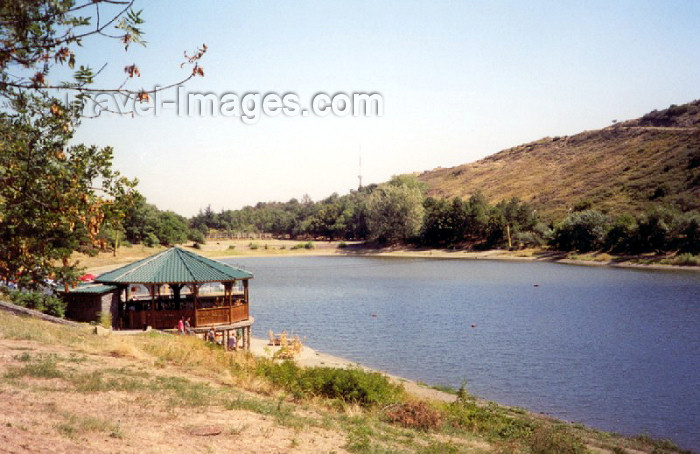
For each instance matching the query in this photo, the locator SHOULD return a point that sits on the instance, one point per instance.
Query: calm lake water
(616, 349)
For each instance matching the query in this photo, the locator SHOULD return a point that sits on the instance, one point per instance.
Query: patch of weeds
(436, 447)
(74, 358)
(489, 420)
(21, 427)
(116, 432)
(359, 437)
(444, 388)
(555, 440)
(660, 446)
(417, 415)
(686, 259)
(307, 245)
(126, 372)
(74, 425)
(24, 357)
(185, 392)
(66, 429)
(96, 381)
(43, 366)
(237, 430)
(360, 440)
(283, 414)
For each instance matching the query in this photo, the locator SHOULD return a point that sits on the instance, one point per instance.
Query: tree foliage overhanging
(57, 198)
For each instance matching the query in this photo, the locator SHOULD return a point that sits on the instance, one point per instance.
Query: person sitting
(233, 342)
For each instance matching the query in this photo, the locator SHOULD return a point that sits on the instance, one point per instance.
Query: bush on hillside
(48, 304)
(349, 385)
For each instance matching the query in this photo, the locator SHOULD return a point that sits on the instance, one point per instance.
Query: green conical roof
(173, 265)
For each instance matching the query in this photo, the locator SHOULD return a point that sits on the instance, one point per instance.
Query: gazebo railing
(222, 315)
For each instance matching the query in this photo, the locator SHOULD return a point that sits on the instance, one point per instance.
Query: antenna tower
(359, 174)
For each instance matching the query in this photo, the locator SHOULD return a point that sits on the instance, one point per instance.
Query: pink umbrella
(87, 277)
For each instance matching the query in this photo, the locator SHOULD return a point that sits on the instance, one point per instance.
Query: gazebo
(161, 289)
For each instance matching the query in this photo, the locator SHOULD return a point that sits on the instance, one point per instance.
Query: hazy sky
(459, 81)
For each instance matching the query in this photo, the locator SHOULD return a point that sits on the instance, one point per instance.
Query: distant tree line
(393, 212)
(399, 212)
(659, 230)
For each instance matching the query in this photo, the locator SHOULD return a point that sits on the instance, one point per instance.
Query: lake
(615, 349)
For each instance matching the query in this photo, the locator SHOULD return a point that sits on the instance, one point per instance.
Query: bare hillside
(622, 168)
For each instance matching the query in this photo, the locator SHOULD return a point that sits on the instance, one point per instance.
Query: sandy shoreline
(235, 249)
(468, 255)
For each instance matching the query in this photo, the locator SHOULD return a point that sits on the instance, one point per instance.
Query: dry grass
(617, 169)
(68, 390)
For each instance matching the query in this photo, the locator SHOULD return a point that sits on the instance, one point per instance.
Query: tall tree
(55, 198)
(395, 212)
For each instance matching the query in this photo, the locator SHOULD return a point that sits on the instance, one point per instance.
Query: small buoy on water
(535, 285)
(473, 325)
(374, 315)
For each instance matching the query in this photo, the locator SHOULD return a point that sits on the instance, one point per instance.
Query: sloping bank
(68, 388)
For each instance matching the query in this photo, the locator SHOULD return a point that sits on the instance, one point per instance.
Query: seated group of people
(231, 344)
(184, 327)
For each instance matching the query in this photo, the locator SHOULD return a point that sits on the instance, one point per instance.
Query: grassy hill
(625, 167)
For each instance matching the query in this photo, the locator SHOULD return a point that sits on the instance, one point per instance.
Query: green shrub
(686, 259)
(231, 247)
(105, 319)
(196, 236)
(342, 245)
(253, 246)
(349, 385)
(489, 420)
(581, 231)
(151, 240)
(309, 245)
(47, 304)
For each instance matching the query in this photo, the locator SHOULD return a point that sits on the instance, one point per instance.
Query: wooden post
(194, 295)
(245, 290)
(153, 304)
(228, 291)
